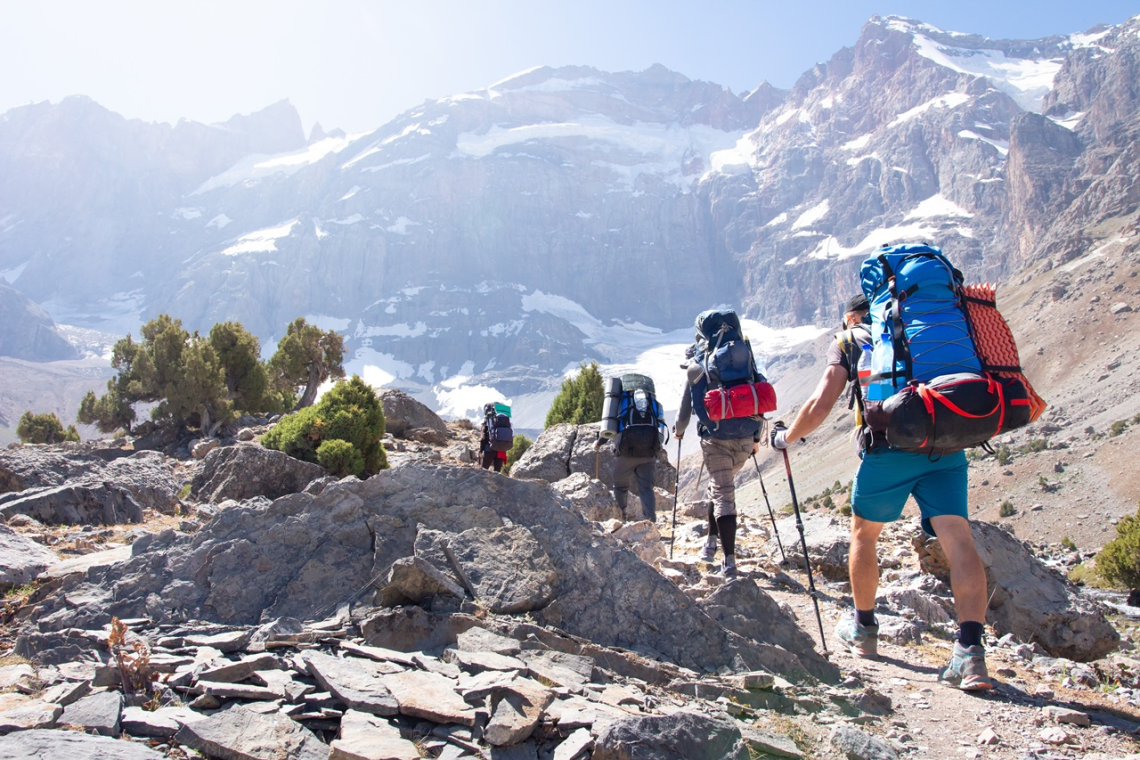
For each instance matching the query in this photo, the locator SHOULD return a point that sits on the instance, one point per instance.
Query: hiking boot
(708, 554)
(728, 570)
(967, 669)
(861, 640)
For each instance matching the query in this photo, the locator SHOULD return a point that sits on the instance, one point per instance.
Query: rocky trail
(223, 601)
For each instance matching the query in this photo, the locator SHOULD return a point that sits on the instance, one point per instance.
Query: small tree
(580, 400)
(349, 412)
(247, 382)
(1119, 560)
(518, 448)
(305, 358)
(44, 428)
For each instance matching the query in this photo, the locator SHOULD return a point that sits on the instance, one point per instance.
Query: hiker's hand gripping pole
(771, 515)
(803, 542)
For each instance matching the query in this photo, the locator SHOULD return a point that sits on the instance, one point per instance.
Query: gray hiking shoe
(708, 554)
(728, 570)
(967, 669)
(861, 640)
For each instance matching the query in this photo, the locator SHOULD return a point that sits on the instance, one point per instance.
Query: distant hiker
(888, 475)
(496, 436)
(633, 417)
(729, 396)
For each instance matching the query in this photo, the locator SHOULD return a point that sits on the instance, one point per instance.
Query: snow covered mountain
(479, 245)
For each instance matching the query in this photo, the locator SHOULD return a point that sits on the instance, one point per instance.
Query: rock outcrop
(563, 450)
(402, 414)
(1028, 599)
(510, 542)
(28, 332)
(248, 470)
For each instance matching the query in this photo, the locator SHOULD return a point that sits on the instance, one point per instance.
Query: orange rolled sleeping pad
(994, 340)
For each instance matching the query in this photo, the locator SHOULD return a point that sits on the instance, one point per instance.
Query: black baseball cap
(858, 303)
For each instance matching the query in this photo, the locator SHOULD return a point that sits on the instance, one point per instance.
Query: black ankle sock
(713, 532)
(865, 617)
(726, 527)
(970, 633)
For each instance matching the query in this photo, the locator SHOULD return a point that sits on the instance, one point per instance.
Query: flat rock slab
(75, 565)
(34, 714)
(414, 580)
(162, 723)
(516, 712)
(71, 745)
(575, 746)
(234, 672)
(429, 696)
(477, 662)
(229, 641)
(355, 682)
(90, 504)
(22, 560)
(367, 737)
(242, 734)
(100, 713)
(860, 745)
(67, 692)
(12, 676)
(771, 743)
(681, 736)
(560, 668)
(482, 640)
(380, 654)
(236, 691)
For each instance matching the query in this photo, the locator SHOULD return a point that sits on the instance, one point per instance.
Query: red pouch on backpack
(745, 400)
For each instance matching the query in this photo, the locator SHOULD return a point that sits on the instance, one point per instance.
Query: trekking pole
(771, 514)
(803, 543)
(676, 498)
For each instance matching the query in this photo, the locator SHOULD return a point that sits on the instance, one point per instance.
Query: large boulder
(149, 476)
(81, 504)
(302, 555)
(248, 470)
(563, 450)
(1033, 602)
(31, 466)
(680, 736)
(21, 559)
(828, 540)
(403, 413)
(590, 498)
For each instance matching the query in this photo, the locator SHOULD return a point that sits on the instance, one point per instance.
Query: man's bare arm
(816, 408)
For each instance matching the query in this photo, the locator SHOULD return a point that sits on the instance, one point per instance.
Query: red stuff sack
(744, 400)
(955, 412)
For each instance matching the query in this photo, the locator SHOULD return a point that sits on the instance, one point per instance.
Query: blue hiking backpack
(641, 418)
(928, 390)
(725, 359)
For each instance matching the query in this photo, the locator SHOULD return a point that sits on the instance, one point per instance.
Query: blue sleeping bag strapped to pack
(914, 293)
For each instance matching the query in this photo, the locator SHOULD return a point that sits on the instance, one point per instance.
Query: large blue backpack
(915, 297)
(641, 418)
(928, 390)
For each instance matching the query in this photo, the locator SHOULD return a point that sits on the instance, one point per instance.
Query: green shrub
(44, 428)
(518, 448)
(1007, 509)
(1118, 427)
(580, 399)
(1004, 455)
(340, 458)
(1036, 444)
(1068, 544)
(827, 502)
(845, 510)
(349, 412)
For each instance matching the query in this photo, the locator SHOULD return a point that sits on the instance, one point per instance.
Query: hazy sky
(355, 64)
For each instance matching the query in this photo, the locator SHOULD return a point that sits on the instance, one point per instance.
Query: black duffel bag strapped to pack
(953, 412)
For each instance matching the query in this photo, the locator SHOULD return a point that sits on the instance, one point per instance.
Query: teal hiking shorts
(886, 478)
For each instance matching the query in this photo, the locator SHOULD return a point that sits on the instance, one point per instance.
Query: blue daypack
(916, 309)
(641, 418)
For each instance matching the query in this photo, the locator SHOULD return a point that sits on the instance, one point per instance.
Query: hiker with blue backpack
(726, 391)
(924, 392)
(496, 437)
(635, 420)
